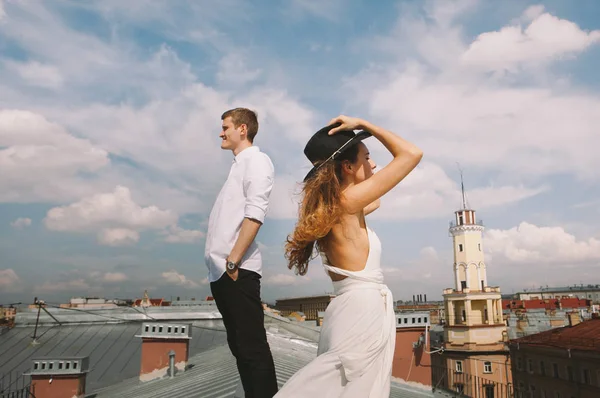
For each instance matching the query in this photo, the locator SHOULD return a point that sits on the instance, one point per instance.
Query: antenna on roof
(462, 187)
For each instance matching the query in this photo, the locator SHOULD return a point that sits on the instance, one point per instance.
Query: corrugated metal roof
(214, 374)
(113, 349)
(534, 321)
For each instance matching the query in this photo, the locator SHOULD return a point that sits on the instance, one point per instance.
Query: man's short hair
(245, 116)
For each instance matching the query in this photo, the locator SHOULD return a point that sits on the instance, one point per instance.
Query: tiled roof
(584, 336)
(214, 374)
(113, 349)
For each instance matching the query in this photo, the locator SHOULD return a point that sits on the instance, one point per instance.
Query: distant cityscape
(476, 342)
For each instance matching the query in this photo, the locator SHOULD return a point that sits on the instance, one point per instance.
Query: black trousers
(240, 305)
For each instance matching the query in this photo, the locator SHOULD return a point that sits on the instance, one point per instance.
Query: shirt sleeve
(258, 184)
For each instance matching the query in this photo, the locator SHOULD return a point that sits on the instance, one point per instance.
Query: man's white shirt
(245, 194)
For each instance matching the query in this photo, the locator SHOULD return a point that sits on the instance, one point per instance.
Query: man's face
(230, 135)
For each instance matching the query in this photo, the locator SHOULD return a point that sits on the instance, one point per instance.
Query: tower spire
(462, 187)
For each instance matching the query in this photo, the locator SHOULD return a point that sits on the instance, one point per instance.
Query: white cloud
(283, 203)
(428, 273)
(428, 192)
(176, 234)
(21, 222)
(330, 10)
(528, 243)
(37, 74)
(114, 209)
(114, 277)
(41, 161)
(2, 12)
(233, 70)
(118, 237)
(73, 286)
(175, 278)
(9, 280)
(286, 279)
(488, 124)
(545, 39)
(117, 219)
(532, 12)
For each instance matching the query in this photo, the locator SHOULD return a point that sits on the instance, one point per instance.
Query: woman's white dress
(356, 346)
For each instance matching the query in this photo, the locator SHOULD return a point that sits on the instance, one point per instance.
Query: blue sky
(110, 115)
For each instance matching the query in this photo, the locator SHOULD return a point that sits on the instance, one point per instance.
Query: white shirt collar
(245, 152)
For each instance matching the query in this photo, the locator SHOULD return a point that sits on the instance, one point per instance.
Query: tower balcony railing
(478, 222)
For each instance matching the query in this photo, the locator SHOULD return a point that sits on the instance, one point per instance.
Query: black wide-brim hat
(323, 147)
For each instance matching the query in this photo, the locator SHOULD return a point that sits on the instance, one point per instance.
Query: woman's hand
(347, 123)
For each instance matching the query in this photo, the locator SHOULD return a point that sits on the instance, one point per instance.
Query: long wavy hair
(319, 211)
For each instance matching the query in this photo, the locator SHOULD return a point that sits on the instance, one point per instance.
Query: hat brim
(361, 135)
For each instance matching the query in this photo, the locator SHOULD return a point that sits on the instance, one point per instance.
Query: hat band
(337, 152)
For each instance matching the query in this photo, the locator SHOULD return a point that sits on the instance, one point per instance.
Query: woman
(356, 345)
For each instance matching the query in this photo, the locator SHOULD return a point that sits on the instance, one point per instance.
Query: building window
(413, 320)
(460, 387)
(459, 367)
(460, 247)
(479, 246)
(521, 392)
(542, 368)
(530, 366)
(585, 376)
(570, 373)
(405, 321)
(531, 391)
(463, 285)
(519, 363)
(555, 370)
(487, 367)
(489, 391)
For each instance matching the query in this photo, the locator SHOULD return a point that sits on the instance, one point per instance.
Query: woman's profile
(356, 344)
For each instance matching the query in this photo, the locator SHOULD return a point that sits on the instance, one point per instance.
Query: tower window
(487, 367)
(460, 247)
(459, 367)
(479, 246)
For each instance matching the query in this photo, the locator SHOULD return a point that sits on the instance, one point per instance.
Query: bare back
(348, 244)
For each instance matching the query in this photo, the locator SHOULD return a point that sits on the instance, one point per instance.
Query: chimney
(160, 340)
(414, 301)
(56, 377)
(425, 298)
(574, 318)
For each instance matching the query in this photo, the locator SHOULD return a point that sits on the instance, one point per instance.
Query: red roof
(584, 336)
(549, 304)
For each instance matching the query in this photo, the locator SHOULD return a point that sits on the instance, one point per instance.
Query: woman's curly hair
(319, 211)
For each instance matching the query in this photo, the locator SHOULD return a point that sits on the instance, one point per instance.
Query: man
(232, 256)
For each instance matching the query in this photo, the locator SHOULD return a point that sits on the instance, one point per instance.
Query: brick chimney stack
(158, 340)
(574, 318)
(53, 377)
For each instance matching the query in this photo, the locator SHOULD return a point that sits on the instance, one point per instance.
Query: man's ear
(243, 130)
